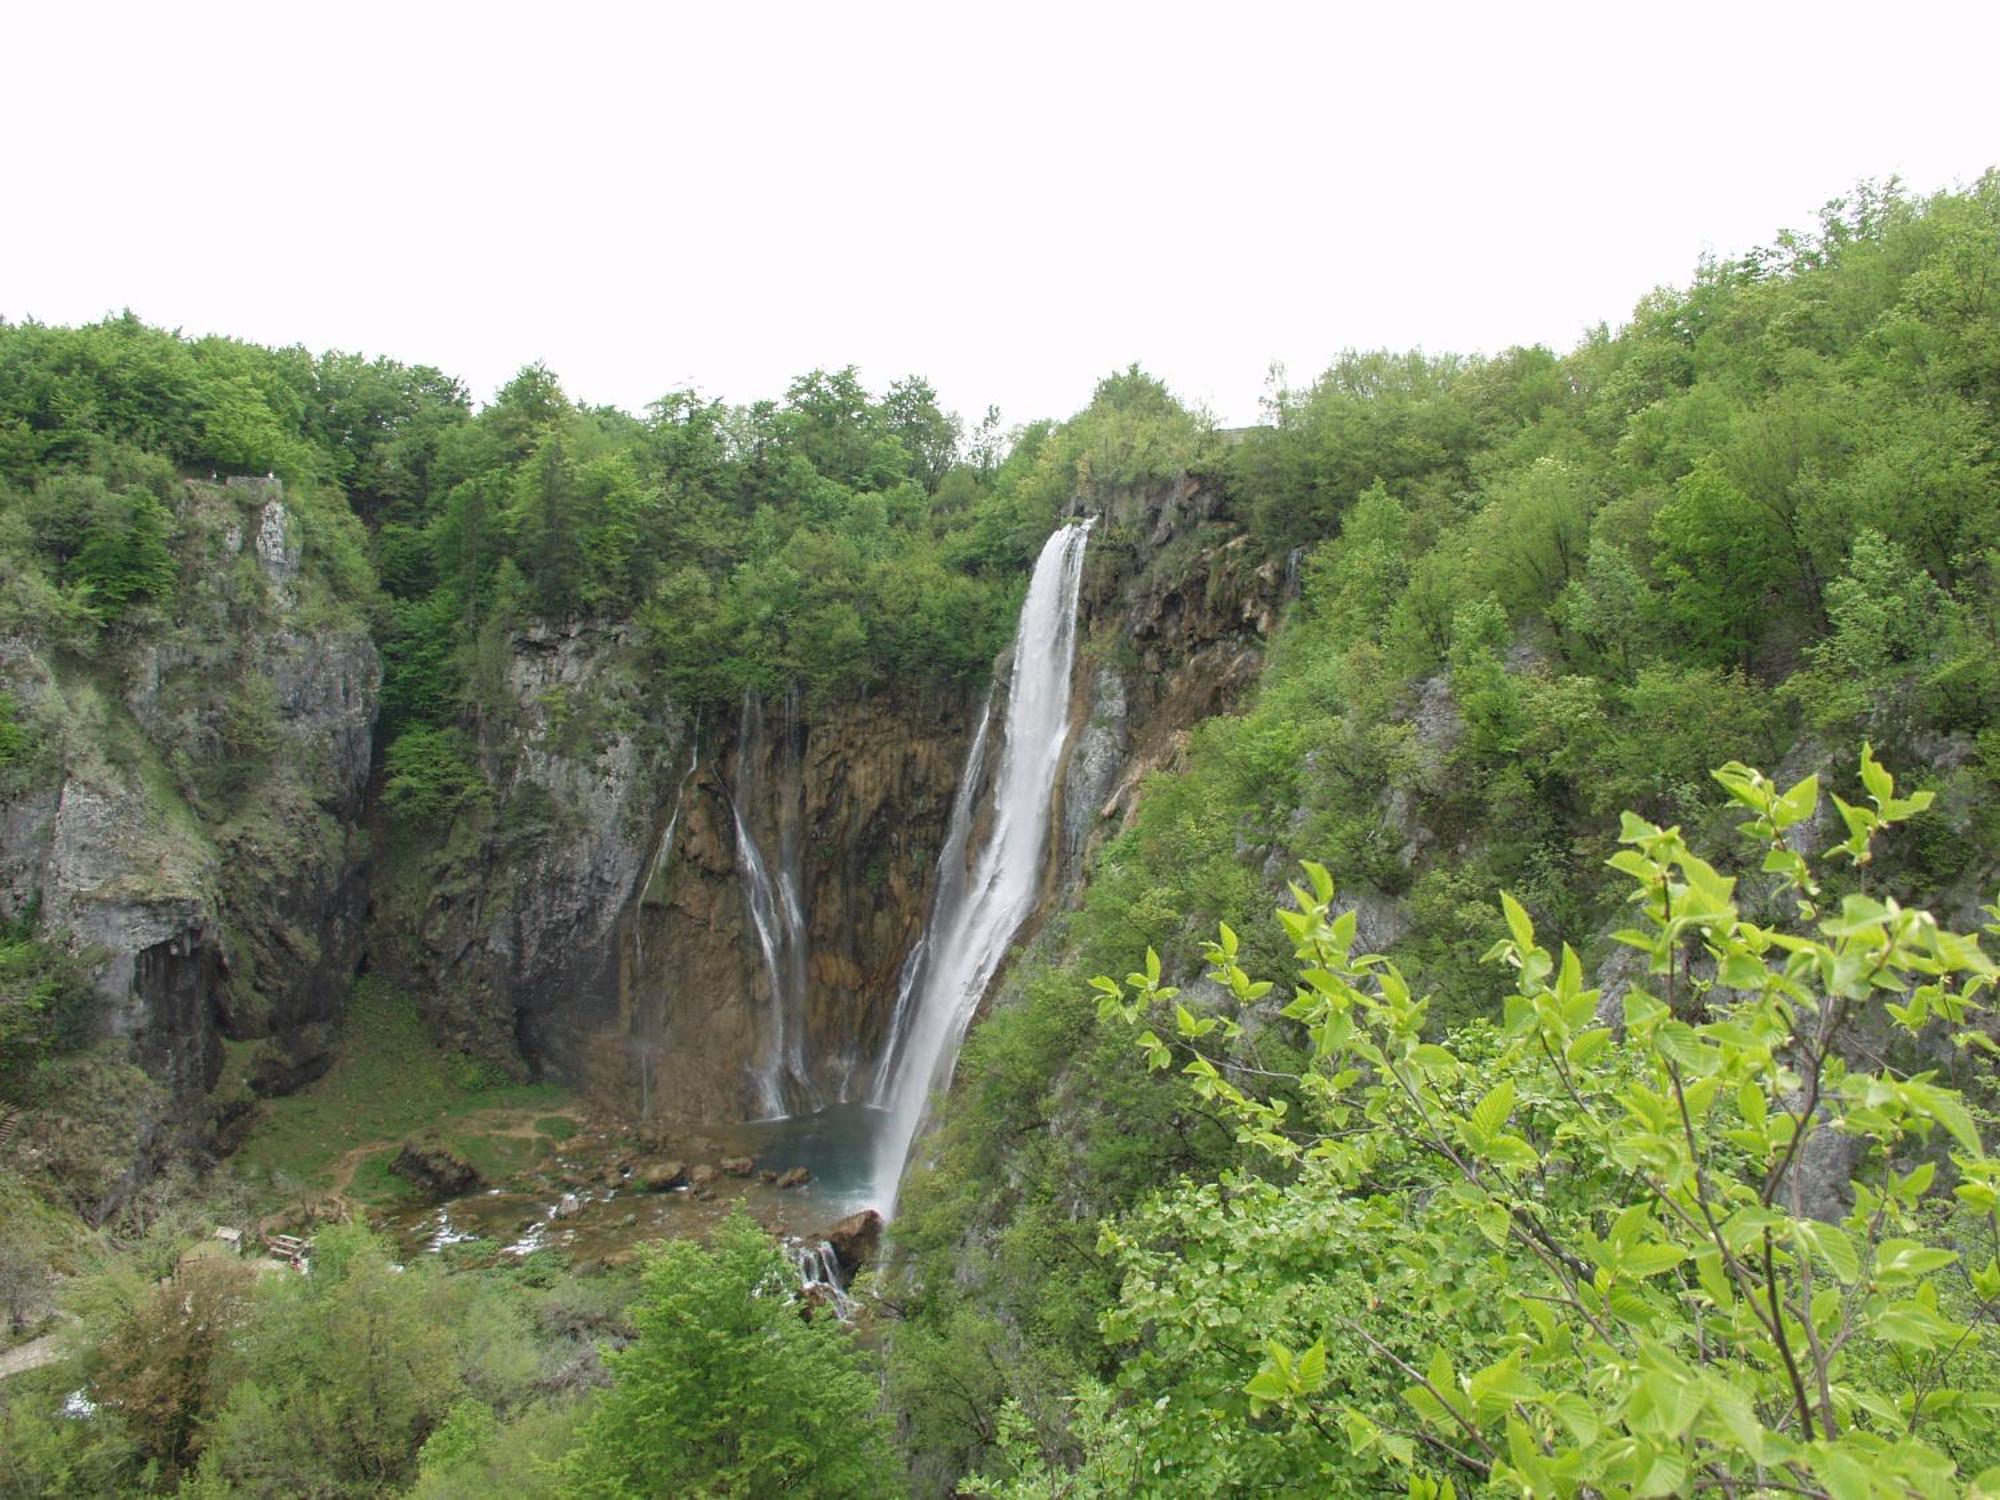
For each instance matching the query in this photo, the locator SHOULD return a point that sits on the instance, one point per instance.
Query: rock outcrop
(591, 923)
(436, 1169)
(503, 924)
(1178, 604)
(850, 808)
(203, 826)
(855, 1240)
(190, 827)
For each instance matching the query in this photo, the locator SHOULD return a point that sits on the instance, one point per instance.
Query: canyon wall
(188, 818)
(607, 934)
(205, 828)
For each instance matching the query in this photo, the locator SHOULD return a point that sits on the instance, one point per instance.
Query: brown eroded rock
(661, 1176)
(794, 1177)
(855, 1239)
(739, 1166)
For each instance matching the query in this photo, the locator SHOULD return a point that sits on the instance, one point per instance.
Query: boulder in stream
(662, 1176)
(794, 1177)
(436, 1168)
(855, 1239)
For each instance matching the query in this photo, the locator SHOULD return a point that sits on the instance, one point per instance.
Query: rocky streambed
(610, 1188)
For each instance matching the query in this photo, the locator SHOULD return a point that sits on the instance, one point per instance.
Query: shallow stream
(591, 1204)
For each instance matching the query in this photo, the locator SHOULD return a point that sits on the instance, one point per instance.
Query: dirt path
(32, 1355)
(499, 1124)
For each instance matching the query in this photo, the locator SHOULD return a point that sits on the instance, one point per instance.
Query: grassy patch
(496, 1157)
(387, 1082)
(376, 1186)
(557, 1127)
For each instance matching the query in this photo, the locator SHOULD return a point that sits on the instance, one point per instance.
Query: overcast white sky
(1012, 199)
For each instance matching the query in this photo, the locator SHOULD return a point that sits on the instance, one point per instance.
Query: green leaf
(1666, 1474)
(1834, 1247)
(1881, 785)
(1267, 1385)
(1736, 1413)
(1861, 823)
(1752, 1105)
(1632, 862)
(1908, 1323)
(1322, 882)
(1514, 1152)
(1588, 1047)
(1576, 1414)
(1678, 1043)
(1799, 804)
(1311, 1372)
(1518, 921)
(1945, 1106)
(1650, 1260)
(1845, 1477)
(1492, 1222)
(1502, 1384)
(1492, 1112)
(1630, 1225)
(1715, 1279)
(1897, 1260)
(1439, 1375)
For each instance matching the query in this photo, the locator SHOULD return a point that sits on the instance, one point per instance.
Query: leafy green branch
(1674, 1319)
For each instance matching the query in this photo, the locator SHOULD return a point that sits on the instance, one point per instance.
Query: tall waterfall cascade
(981, 901)
(782, 1080)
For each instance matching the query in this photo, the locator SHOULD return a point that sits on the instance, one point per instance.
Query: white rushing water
(977, 911)
(783, 1081)
(658, 862)
(819, 1277)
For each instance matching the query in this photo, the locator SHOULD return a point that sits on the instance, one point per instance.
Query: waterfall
(819, 1277)
(659, 859)
(950, 888)
(793, 909)
(779, 919)
(977, 911)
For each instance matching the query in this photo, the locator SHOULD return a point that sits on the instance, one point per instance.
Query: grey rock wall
(189, 825)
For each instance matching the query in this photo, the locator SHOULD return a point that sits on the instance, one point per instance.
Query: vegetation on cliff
(1580, 1251)
(1424, 1218)
(1756, 523)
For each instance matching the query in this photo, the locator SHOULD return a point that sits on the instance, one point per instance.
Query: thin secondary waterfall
(977, 912)
(661, 855)
(782, 1077)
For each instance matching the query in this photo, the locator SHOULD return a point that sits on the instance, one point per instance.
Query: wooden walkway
(8, 1121)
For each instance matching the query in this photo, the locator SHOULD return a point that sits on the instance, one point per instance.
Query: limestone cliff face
(189, 822)
(562, 929)
(204, 825)
(852, 802)
(504, 930)
(848, 804)
(1177, 606)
